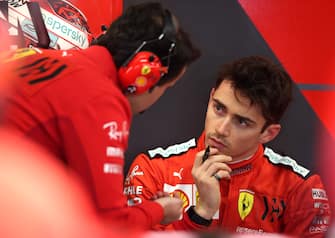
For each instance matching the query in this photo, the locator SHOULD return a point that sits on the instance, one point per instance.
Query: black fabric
(196, 218)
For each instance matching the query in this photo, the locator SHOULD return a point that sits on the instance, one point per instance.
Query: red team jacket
(268, 193)
(71, 104)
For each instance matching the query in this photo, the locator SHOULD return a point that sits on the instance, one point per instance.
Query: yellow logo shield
(245, 203)
(8, 56)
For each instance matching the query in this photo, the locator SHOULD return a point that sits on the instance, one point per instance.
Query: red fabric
(283, 201)
(40, 198)
(70, 103)
(298, 33)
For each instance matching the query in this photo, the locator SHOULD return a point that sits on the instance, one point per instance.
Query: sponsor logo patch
(173, 149)
(17, 3)
(245, 230)
(318, 229)
(321, 205)
(69, 13)
(114, 132)
(285, 160)
(133, 190)
(188, 193)
(134, 172)
(273, 208)
(320, 220)
(110, 168)
(245, 203)
(114, 152)
(134, 201)
(63, 33)
(178, 174)
(320, 194)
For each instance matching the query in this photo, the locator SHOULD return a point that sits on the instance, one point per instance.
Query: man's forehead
(226, 90)
(226, 95)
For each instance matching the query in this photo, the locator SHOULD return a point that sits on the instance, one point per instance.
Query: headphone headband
(169, 29)
(169, 32)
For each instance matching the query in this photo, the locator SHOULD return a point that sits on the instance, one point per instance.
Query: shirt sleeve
(309, 215)
(142, 181)
(96, 139)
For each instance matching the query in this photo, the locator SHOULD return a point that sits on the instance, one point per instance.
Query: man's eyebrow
(217, 101)
(245, 118)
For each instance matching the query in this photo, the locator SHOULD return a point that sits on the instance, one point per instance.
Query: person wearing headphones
(228, 178)
(78, 104)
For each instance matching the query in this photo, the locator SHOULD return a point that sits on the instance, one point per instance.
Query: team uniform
(267, 193)
(82, 117)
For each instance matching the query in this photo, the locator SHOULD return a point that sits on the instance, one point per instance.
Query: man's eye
(218, 107)
(243, 122)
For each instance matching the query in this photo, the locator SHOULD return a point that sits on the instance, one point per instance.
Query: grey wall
(223, 32)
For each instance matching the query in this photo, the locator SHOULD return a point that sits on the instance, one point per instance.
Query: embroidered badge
(245, 203)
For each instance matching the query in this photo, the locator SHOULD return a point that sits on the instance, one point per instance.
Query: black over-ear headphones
(143, 69)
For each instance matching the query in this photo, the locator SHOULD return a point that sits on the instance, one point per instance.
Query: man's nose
(223, 126)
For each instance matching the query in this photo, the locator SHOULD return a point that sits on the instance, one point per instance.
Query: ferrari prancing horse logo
(245, 203)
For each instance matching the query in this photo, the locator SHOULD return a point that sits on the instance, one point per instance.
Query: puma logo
(178, 174)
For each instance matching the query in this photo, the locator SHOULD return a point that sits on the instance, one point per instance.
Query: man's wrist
(196, 218)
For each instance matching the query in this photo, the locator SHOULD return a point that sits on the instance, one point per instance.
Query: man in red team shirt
(243, 186)
(78, 104)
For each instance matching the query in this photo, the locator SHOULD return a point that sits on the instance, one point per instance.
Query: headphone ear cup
(142, 72)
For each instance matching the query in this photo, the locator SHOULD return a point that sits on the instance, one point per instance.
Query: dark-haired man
(78, 104)
(240, 185)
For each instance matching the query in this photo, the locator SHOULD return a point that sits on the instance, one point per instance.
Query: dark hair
(266, 84)
(145, 22)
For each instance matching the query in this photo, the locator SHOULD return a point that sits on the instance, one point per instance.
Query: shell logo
(196, 197)
(183, 197)
(141, 81)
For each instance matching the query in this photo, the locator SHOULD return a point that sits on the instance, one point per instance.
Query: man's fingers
(215, 167)
(160, 194)
(220, 158)
(217, 177)
(222, 174)
(203, 155)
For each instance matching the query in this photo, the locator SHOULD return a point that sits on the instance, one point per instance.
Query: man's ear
(269, 133)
